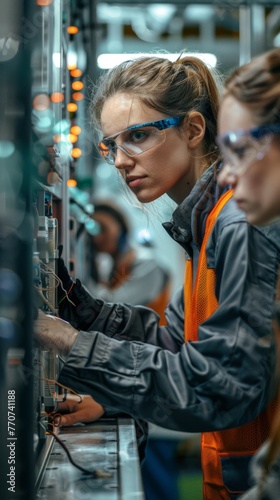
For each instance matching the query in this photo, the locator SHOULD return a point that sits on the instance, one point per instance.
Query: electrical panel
(41, 91)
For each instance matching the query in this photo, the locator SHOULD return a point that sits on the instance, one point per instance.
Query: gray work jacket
(130, 364)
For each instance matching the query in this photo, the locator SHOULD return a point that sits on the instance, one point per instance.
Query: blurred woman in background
(249, 138)
(132, 273)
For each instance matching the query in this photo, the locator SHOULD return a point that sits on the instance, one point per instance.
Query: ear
(196, 129)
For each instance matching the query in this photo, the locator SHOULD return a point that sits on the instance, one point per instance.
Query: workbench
(108, 446)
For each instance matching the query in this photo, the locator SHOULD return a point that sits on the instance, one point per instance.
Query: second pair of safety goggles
(240, 148)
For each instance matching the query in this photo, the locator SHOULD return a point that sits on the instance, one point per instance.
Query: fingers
(71, 419)
(85, 411)
(69, 405)
(80, 416)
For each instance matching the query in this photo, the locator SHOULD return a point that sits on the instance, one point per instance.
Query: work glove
(75, 304)
(54, 334)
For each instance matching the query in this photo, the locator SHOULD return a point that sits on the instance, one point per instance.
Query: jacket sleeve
(224, 379)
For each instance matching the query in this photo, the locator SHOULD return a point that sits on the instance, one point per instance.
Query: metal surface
(108, 445)
(42, 460)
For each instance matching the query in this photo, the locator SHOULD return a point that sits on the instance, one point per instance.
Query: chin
(146, 197)
(144, 200)
(263, 219)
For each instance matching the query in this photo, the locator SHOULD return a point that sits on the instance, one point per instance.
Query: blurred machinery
(38, 151)
(41, 93)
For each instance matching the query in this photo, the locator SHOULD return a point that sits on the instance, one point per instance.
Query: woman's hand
(74, 410)
(54, 334)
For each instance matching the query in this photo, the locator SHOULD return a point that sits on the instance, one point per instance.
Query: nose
(122, 159)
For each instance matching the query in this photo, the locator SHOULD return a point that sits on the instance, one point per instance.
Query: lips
(241, 203)
(134, 181)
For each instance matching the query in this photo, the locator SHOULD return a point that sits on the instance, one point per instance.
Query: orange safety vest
(225, 454)
(159, 303)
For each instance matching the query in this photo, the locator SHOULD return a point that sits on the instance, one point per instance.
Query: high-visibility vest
(159, 303)
(225, 455)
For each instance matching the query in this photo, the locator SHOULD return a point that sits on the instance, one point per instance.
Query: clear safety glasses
(136, 139)
(240, 148)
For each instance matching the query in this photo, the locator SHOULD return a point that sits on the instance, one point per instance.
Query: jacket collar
(188, 221)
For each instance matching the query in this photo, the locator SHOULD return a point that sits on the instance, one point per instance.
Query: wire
(42, 296)
(66, 294)
(53, 424)
(50, 272)
(63, 387)
(56, 419)
(59, 283)
(96, 473)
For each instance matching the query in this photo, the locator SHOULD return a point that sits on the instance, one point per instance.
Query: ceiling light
(108, 61)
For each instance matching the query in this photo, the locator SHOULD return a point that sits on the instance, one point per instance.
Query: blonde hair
(173, 88)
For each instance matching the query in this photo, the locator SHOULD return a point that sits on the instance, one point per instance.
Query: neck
(187, 182)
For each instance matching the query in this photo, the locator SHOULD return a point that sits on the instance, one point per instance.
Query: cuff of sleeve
(93, 367)
(83, 349)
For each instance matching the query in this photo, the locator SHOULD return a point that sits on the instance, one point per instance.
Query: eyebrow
(131, 127)
(174, 121)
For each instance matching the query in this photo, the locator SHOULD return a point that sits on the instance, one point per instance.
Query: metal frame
(219, 3)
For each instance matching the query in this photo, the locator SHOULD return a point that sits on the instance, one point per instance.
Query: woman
(134, 275)
(210, 369)
(249, 128)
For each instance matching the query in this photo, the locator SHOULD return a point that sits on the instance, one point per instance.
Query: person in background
(211, 368)
(249, 137)
(133, 275)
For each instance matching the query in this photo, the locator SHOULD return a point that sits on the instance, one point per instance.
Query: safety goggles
(240, 148)
(136, 139)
